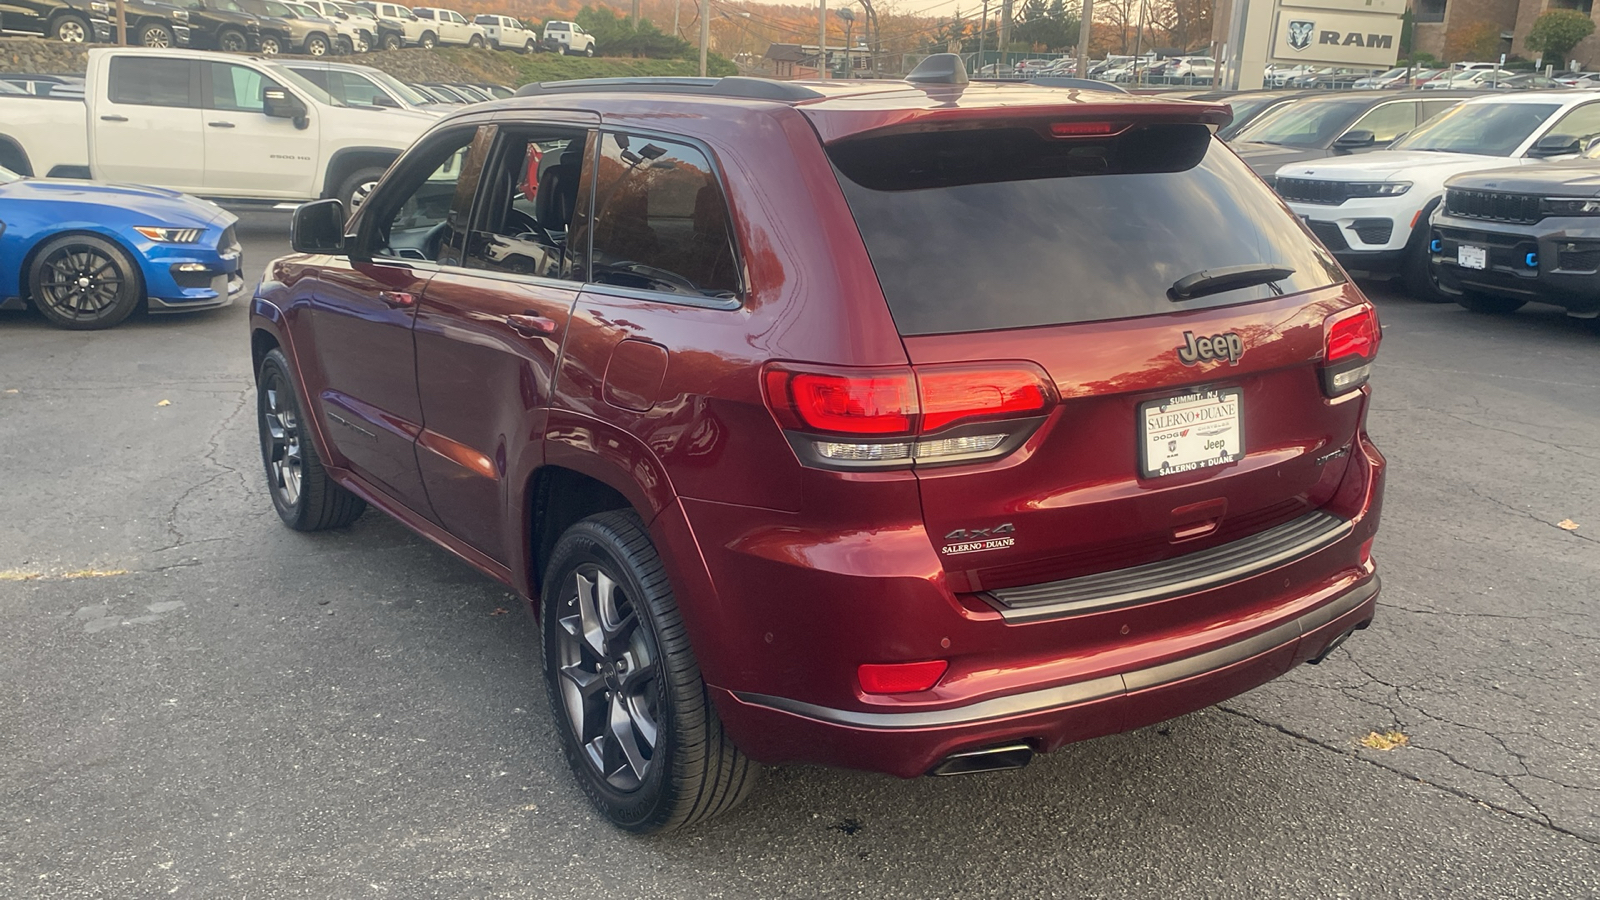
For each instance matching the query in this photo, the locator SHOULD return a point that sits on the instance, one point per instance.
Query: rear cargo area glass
(999, 228)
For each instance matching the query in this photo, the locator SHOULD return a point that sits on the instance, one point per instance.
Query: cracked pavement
(201, 703)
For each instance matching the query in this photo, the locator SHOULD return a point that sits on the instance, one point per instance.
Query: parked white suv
(506, 33)
(450, 28)
(1372, 210)
(569, 38)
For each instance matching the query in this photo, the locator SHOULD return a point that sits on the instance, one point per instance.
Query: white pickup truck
(223, 127)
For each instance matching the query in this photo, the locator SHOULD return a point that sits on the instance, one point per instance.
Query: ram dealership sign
(1355, 39)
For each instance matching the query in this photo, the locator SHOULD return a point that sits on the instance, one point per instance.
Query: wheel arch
(348, 159)
(13, 157)
(555, 498)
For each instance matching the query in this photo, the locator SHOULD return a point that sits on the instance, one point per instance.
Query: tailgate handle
(1198, 519)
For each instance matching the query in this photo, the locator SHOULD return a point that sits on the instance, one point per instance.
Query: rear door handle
(528, 326)
(113, 118)
(398, 299)
(220, 124)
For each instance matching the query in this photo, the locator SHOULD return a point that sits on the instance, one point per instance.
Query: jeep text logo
(1227, 346)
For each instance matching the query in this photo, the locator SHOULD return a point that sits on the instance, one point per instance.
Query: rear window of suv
(994, 228)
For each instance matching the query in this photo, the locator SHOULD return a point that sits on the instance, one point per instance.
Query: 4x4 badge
(1228, 346)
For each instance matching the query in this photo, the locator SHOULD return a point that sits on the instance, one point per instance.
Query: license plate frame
(1182, 421)
(1471, 256)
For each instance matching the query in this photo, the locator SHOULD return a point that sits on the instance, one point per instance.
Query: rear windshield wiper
(1215, 281)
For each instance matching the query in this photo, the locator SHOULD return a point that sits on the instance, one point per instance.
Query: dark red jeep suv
(915, 426)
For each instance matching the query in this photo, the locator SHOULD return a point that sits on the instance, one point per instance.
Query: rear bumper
(911, 743)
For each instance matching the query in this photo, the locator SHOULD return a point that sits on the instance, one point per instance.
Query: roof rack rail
(731, 86)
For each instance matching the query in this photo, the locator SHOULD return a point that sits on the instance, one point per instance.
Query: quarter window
(660, 219)
(146, 81)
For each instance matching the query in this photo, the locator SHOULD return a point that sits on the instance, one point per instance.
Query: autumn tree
(1475, 41)
(1555, 33)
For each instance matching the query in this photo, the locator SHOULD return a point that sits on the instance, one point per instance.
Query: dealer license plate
(1470, 257)
(1194, 431)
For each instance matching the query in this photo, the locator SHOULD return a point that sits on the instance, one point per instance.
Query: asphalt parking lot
(201, 703)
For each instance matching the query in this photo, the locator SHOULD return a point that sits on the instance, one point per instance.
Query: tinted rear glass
(1005, 228)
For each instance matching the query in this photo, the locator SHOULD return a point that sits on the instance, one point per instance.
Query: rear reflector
(1350, 344)
(901, 678)
(1366, 551)
(944, 413)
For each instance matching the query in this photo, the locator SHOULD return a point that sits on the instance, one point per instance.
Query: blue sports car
(86, 255)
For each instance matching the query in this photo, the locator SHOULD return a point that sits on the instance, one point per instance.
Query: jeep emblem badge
(1195, 350)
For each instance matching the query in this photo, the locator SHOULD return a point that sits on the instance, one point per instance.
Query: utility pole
(1005, 29)
(983, 29)
(822, 39)
(705, 33)
(874, 35)
(849, 18)
(636, 13)
(1084, 19)
(677, 7)
(122, 23)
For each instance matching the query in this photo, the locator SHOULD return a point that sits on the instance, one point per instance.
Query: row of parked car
(310, 27)
(1484, 198)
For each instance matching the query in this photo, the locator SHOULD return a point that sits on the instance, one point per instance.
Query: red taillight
(951, 395)
(870, 402)
(1082, 129)
(908, 414)
(901, 678)
(1366, 551)
(1350, 343)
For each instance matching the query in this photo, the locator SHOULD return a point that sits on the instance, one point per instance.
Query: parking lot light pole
(705, 34)
(122, 22)
(1083, 38)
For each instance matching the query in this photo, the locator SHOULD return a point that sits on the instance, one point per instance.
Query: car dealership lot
(245, 710)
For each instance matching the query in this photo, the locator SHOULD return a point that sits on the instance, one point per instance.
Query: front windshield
(299, 81)
(405, 91)
(1485, 129)
(354, 11)
(1307, 124)
(305, 11)
(405, 13)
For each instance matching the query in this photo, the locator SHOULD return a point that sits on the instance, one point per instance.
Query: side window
(527, 199)
(1388, 121)
(660, 219)
(423, 13)
(356, 90)
(1431, 108)
(1582, 123)
(237, 88)
(412, 215)
(151, 81)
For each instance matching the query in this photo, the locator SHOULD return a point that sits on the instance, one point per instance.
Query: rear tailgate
(1181, 313)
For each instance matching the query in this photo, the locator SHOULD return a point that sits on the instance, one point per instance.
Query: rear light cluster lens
(901, 678)
(889, 418)
(1351, 341)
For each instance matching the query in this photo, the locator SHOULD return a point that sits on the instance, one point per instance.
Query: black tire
(316, 45)
(392, 42)
(302, 493)
(1415, 271)
(643, 671)
(270, 46)
(588, 51)
(72, 30)
(355, 187)
(475, 42)
(530, 48)
(428, 41)
(155, 34)
(344, 46)
(1490, 305)
(232, 40)
(82, 282)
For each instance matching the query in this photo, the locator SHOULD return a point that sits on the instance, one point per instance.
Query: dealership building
(1435, 19)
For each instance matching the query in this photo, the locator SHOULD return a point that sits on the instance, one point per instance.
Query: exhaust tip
(989, 759)
(1332, 646)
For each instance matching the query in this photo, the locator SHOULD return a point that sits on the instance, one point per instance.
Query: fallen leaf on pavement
(1567, 525)
(12, 575)
(11, 390)
(1386, 741)
(164, 403)
(499, 611)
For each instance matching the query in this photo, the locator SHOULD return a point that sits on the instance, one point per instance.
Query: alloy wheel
(269, 46)
(608, 676)
(284, 461)
(80, 283)
(156, 38)
(71, 31)
(359, 195)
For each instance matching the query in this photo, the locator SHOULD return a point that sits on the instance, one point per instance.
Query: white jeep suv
(1372, 210)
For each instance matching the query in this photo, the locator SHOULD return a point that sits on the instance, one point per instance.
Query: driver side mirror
(278, 103)
(1355, 139)
(1554, 145)
(318, 227)
(386, 101)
